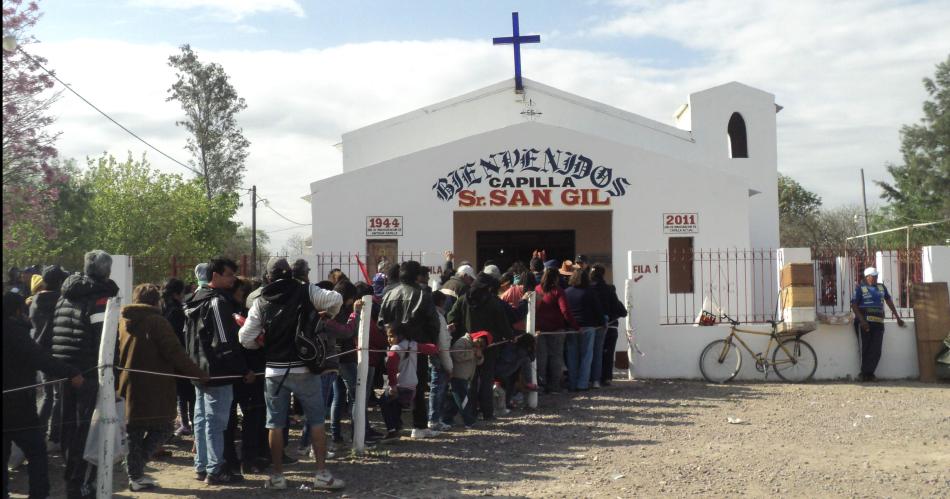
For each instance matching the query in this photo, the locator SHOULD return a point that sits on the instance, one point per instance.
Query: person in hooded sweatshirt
(21, 359)
(41, 320)
(77, 330)
(147, 342)
(480, 310)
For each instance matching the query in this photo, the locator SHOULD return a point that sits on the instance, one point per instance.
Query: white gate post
(106, 400)
(531, 328)
(362, 373)
(631, 340)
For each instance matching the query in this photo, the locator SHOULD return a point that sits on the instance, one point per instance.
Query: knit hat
(97, 265)
(493, 271)
(53, 276)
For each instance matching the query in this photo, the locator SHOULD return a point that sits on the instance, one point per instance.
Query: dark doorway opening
(506, 247)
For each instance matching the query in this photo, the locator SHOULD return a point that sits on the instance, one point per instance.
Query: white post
(631, 340)
(106, 401)
(362, 373)
(531, 328)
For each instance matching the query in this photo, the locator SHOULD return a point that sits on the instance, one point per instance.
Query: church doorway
(482, 235)
(506, 247)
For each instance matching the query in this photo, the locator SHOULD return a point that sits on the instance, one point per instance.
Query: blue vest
(870, 299)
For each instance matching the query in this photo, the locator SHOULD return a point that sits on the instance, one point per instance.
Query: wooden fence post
(106, 400)
(362, 375)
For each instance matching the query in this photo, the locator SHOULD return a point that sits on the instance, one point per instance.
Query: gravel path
(650, 438)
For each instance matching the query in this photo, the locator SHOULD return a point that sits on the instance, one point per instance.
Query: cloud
(848, 81)
(230, 10)
(249, 30)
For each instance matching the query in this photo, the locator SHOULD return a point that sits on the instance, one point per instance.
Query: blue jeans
(344, 394)
(580, 353)
(438, 384)
(212, 409)
(597, 361)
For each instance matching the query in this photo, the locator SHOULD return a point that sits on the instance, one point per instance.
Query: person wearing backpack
(281, 322)
(211, 340)
(77, 330)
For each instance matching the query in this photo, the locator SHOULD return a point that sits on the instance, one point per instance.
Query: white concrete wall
(122, 274)
(936, 263)
(673, 352)
(659, 184)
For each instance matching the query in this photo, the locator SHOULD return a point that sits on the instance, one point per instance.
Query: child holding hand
(400, 388)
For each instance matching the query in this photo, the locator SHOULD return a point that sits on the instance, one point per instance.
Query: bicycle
(793, 360)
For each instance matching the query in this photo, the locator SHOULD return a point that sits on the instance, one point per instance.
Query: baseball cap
(466, 270)
(870, 271)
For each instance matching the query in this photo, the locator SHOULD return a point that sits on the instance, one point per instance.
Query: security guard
(867, 303)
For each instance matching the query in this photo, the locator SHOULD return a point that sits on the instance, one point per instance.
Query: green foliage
(920, 190)
(128, 208)
(240, 243)
(798, 210)
(211, 105)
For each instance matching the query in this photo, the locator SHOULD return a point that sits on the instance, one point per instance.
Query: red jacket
(554, 314)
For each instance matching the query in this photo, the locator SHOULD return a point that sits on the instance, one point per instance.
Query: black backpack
(310, 340)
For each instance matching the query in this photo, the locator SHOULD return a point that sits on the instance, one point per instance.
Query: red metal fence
(838, 272)
(740, 282)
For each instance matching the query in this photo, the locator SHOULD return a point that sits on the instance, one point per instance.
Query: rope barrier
(51, 382)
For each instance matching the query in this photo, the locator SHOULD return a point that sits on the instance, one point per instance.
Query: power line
(110, 118)
(285, 229)
(269, 207)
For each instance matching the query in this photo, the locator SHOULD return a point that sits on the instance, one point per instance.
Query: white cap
(870, 271)
(466, 270)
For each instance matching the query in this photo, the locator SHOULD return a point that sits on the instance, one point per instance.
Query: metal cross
(516, 39)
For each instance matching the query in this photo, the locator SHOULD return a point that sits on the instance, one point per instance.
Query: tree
(920, 190)
(240, 243)
(798, 213)
(31, 180)
(296, 246)
(211, 105)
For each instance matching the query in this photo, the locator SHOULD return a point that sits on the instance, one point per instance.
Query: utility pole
(254, 229)
(864, 198)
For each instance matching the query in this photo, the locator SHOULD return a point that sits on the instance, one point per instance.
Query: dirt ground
(646, 438)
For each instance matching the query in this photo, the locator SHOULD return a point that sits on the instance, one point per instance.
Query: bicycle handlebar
(730, 319)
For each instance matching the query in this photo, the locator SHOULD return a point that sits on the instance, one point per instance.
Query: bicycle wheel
(796, 362)
(720, 361)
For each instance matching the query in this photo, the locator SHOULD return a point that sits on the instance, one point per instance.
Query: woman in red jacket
(553, 314)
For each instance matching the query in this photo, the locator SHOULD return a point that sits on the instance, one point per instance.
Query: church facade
(498, 173)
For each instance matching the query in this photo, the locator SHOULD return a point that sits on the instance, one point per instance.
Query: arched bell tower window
(738, 145)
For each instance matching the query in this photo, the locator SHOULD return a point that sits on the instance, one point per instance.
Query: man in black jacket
(77, 330)
(615, 309)
(41, 320)
(211, 340)
(410, 307)
(21, 359)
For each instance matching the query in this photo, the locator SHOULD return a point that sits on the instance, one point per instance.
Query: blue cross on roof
(516, 39)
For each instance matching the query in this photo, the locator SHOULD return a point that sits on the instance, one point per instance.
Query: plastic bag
(120, 440)
(710, 313)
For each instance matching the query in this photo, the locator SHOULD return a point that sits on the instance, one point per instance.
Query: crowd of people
(230, 352)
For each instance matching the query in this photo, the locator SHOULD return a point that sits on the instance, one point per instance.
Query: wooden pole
(253, 272)
(362, 375)
(531, 326)
(106, 401)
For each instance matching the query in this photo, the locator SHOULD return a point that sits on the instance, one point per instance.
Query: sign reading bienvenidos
(527, 177)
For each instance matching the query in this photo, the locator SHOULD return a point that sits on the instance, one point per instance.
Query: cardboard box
(798, 314)
(927, 359)
(798, 274)
(797, 296)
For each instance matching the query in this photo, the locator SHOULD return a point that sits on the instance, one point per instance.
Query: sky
(848, 73)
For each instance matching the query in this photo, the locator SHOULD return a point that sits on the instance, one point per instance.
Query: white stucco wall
(673, 352)
(403, 187)
(497, 107)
